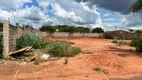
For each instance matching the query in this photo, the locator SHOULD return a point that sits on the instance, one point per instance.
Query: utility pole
(115, 28)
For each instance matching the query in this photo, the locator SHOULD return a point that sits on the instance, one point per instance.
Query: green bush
(28, 40)
(137, 43)
(62, 48)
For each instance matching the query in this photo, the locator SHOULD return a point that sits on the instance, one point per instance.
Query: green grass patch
(97, 69)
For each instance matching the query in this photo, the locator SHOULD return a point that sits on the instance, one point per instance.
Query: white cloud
(107, 14)
(75, 13)
(133, 20)
(4, 15)
(12, 4)
(28, 16)
(60, 12)
(109, 19)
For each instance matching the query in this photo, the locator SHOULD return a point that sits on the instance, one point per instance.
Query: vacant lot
(118, 61)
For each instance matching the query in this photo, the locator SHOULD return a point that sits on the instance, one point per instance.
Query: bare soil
(118, 61)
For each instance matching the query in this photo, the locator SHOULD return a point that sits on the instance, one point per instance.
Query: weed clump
(66, 60)
(28, 40)
(62, 49)
(97, 69)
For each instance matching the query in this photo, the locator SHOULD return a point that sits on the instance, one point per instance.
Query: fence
(12, 33)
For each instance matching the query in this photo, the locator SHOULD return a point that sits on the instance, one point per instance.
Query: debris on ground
(45, 56)
(28, 54)
(20, 50)
(1, 61)
(105, 71)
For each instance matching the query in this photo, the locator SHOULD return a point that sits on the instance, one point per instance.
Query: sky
(88, 13)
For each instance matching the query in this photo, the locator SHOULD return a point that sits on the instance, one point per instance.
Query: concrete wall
(66, 34)
(10, 35)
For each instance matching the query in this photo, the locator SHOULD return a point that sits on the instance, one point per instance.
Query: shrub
(28, 40)
(61, 48)
(119, 43)
(75, 51)
(137, 43)
(115, 41)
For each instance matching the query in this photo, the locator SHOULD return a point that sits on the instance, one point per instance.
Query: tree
(65, 28)
(82, 29)
(50, 29)
(137, 6)
(97, 30)
(130, 30)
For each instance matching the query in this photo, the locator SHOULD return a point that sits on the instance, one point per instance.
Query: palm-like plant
(137, 6)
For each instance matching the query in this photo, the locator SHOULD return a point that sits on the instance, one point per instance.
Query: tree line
(70, 29)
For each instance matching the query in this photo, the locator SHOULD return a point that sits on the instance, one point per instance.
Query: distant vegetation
(97, 30)
(70, 29)
(50, 29)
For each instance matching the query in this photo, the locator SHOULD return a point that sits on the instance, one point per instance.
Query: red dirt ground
(119, 61)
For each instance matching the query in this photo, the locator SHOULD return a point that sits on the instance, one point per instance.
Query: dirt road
(118, 61)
